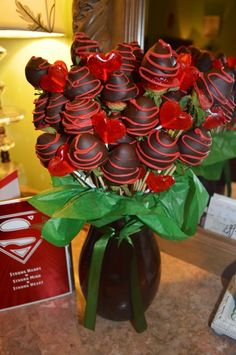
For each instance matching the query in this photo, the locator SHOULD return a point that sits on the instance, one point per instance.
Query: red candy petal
(47, 84)
(109, 130)
(159, 183)
(231, 61)
(101, 65)
(215, 119)
(61, 64)
(55, 80)
(188, 78)
(171, 116)
(185, 60)
(60, 165)
(217, 64)
(58, 72)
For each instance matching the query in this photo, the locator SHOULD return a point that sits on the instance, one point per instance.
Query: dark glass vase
(114, 300)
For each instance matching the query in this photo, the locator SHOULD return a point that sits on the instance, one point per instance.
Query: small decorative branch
(102, 182)
(35, 22)
(82, 179)
(143, 183)
(170, 171)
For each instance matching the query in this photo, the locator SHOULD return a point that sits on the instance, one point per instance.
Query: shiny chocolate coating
(47, 145)
(140, 116)
(194, 146)
(80, 83)
(122, 167)
(35, 69)
(137, 51)
(175, 95)
(158, 151)
(119, 88)
(82, 46)
(128, 60)
(87, 152)
(77, 116)
(39, 113)
(159, 66)
(54, 110)
(125, 139)
(216, 88)
(204, 61)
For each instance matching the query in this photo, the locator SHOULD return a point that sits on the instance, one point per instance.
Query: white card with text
(221, 216)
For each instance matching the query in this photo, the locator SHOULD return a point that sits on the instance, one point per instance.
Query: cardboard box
(9, 186)
(31, 269)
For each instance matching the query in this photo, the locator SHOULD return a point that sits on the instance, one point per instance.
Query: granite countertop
(177, 322)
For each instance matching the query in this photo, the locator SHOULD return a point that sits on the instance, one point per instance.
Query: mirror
(110, 22)
(207, 24)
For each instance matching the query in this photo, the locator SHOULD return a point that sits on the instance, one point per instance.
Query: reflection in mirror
(110, 22)
(206, 23)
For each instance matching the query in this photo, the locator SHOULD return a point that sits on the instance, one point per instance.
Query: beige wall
(19, 93)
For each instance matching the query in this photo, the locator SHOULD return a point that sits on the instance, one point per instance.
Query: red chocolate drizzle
(81, 83)
(140, 116)
(54, 110)
(35, 69)
(128, 61)
(39, 112)
(119, 88)
(87, 152)
(77, 117)
(194, 146)
(216, 88)
(158, 151)
(47, 145)
(159, 66)
(122, 167)
(82, 47)
(137, 51)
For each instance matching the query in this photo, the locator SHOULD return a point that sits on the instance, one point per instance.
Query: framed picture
(211, 26)
(224, 321)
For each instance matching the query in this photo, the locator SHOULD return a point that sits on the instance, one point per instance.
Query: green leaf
(223, 148)
(60, 231)
(173, 214)
(64, 180)
(89, 205)
(195, 204)
(49, 130)
(131, 227)
(164, 226)
(158, 100)
(210, 172)
(196, 111)
(179, 209)
(155, 96)
(55, 199)
(184, 101)
(195, 101)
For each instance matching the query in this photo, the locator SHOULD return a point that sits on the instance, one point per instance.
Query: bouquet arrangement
(121, 132)
(223, 148)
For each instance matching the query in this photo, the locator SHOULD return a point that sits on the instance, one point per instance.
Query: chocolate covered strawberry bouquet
(120, 133)
(222, 120)
(128, 124)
